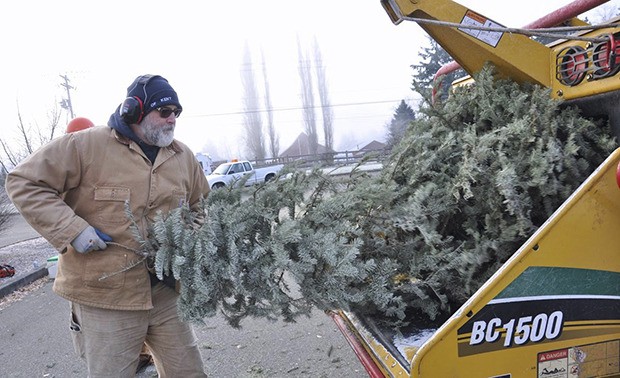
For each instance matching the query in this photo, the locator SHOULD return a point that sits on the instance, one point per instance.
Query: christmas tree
(468, 184)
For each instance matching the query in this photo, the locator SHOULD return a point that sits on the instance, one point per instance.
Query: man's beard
(156, 135)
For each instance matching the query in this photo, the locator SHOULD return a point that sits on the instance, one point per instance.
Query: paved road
(35, 342)
(17, 230)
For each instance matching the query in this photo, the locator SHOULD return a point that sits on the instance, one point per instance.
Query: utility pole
(66, 102)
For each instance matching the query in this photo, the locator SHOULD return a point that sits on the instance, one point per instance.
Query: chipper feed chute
(552, 310)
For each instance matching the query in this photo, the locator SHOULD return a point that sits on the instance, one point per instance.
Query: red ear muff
(131, 110)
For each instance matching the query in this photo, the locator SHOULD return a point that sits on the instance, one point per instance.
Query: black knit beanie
(155, 93)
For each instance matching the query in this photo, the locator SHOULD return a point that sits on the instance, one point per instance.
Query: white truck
(233, 172)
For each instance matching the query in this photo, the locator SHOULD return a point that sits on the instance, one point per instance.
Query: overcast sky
(198, 46)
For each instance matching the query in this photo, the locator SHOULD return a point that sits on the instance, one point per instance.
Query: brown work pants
(111, 340)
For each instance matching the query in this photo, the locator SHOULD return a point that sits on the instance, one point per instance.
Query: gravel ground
(26, 256)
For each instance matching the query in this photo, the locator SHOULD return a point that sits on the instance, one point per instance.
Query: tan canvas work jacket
(86, 178)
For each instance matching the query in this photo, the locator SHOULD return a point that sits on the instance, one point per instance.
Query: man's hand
(90, 239)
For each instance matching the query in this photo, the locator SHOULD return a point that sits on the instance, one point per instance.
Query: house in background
(372, 147)
(299, 152)
(301, 147)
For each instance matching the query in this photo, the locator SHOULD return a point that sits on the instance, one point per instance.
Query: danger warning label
(592, 360)
(481, 31)
(553, 364)
(546, 356)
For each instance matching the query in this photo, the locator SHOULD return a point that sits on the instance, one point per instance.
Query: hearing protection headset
(132, 109)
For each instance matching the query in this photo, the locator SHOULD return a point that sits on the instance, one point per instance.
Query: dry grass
(21, 293)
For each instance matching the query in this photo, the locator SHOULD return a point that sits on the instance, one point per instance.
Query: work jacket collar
(125, 135)
(117, 123)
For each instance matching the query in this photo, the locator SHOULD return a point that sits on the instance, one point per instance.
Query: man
(135, 160)
(75, 125)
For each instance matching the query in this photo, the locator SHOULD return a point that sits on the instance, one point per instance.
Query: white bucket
(52, 266)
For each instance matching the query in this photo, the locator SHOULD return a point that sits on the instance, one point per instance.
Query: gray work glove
(90, 239)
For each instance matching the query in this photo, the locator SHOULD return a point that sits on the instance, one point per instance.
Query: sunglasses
(165, 112)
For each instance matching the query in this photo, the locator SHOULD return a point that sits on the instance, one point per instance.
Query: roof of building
(301, 146)
(374, 145)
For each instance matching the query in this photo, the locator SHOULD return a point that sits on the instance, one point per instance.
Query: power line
(291, 108)
(374, 118)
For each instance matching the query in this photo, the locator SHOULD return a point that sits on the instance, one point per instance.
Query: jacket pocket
(110, 205)
(76, 333)
(107, 271)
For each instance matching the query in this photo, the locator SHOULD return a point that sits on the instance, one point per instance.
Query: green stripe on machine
(549, 281)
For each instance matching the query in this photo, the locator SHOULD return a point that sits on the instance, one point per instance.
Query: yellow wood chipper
(553, 309)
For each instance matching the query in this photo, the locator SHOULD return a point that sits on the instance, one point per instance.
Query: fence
(323, 159)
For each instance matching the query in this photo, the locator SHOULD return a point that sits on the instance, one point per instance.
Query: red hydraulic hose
(367, 361)
(567, 12)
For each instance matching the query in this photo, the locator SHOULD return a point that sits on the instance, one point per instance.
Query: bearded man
(74, 191)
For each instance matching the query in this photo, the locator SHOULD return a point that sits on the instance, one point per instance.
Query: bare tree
(307, 99)
(605, 13)
(28, 138)
(326, 109)
(274, 140)
(252, 122)
(6, 208)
